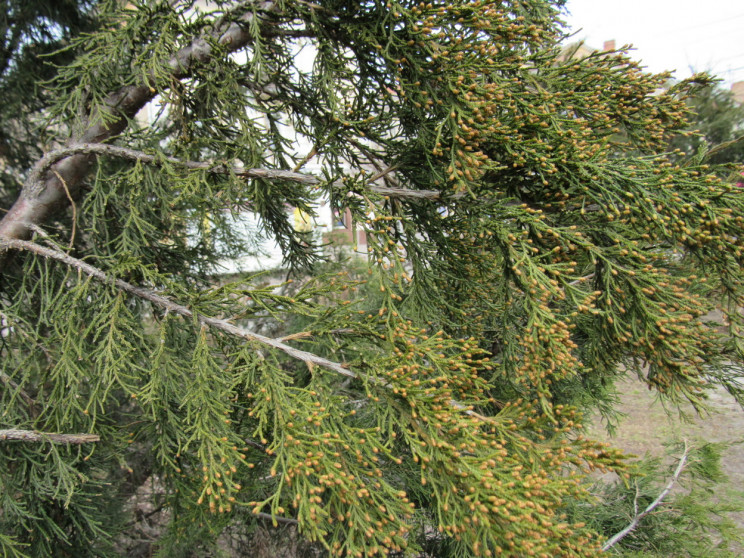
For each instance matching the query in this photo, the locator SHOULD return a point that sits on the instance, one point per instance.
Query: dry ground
(647, 426)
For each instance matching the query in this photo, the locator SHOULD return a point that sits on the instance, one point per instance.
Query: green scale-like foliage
(529, 243)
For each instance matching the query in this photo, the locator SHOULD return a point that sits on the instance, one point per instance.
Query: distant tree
(530, 243)
(717, 123)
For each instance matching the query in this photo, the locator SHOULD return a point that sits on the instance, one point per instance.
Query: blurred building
(737, 89)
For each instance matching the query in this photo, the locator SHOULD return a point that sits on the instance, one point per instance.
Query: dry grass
(647, 426)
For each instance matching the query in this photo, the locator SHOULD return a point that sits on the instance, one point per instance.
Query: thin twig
(50, 158)
(255, 444)
(382, 173)
(38, 230)
(276, 519)
(721, 146)
(652, 506)
(306, 334)
(145, 516)
(13, 385)
(313, 152)
(74, 209)
(581, 279)
(34, 436)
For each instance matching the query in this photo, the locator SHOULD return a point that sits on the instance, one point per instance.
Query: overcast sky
(668, 34)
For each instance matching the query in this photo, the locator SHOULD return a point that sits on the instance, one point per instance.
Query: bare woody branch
(45, 163)
(652, 506)
(34, 436)
(49, 191)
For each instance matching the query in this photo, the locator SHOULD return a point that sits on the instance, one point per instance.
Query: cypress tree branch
(216, 323)
(163, 302)
(49, 159)
(46, 194)
(652, 506)
(34, 436)
(558, 250)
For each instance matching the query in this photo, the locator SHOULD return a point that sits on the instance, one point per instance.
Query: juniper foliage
(530, 243)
